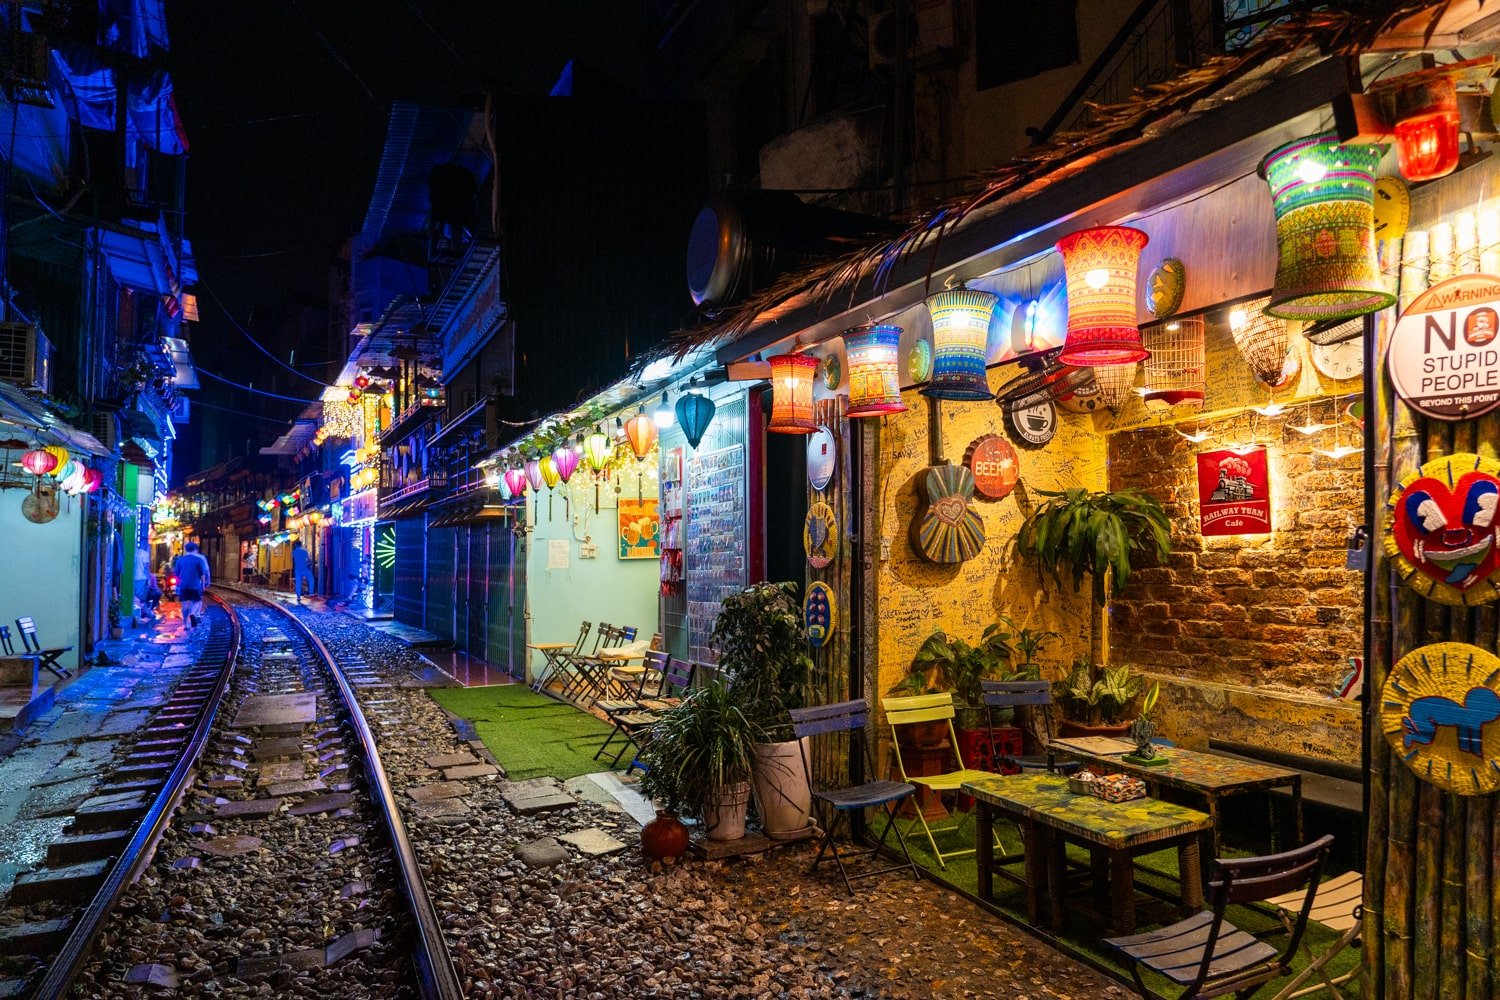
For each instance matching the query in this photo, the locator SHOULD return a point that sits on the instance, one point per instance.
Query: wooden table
(550, 664)
(1209, 776)
(1050, 815)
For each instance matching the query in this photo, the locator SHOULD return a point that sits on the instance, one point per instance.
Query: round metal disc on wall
(1031, 422)
(40, 507)
(1165, 288)
(833, 372)
(919, 361)
(820, 613)
(995, 465)
(1438, 712)
(822, 458)
(820, 535)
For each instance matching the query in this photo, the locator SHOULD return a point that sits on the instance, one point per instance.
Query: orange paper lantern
(1100, 265)
(640, 431)
(792, 378)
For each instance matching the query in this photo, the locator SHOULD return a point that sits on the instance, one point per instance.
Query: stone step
(71, 849)
(75, 882)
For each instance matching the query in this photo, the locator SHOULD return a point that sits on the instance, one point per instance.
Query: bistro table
(551, 660)
(1207, 775)
(1050, 815)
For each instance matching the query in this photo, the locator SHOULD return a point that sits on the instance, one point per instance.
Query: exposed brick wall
(1278, 610)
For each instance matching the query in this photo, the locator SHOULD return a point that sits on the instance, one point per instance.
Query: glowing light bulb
(1311, 171)
(1342, 451)
(1238, 318)
(663, 415)
(1271, 409)
(1197, 437)
(1097, 278)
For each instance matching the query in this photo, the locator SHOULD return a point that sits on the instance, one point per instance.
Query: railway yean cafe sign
(1444, 358)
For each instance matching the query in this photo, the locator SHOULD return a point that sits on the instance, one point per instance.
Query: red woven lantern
(640, 431)
(1427, 130)
(1100, 265)
(38, 462)
(792, 378)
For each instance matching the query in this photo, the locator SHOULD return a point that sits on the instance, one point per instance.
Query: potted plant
(761, 640)
(698, 758)
(1143, 731)
(116, 627)
(1027, 643)
(1094, 700)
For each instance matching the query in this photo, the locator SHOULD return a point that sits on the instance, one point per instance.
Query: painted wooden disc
(820, 613)
(919, 362)
(1392, 208)
(948, 530)
(833, 372)
(820, 535)
(995, 465)
(1441, 530)
(822, 458)
(1165, 288)
(1440, 712)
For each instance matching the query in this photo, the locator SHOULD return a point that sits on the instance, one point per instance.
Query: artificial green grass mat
(1084, 933)
(530, 734)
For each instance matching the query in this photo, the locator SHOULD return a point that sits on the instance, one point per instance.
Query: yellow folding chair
(931, 708)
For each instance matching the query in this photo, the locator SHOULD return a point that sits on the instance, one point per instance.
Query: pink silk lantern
(566, 460)
(515, 481)
(534, 474)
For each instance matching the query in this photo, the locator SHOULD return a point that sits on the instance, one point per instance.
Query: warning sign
(1444, 360)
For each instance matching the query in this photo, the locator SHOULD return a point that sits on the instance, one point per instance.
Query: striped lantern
(694, 413)
(39, 462)
(1323, 192)
(640, 431)
(792, 378)
(1175, 370)
(565, 460)
(1100, 267)
(960, 337)
(874, 374)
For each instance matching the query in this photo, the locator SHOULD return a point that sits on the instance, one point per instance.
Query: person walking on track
(301, 570)
(193, 580)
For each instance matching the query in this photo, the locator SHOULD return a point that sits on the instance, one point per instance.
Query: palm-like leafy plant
(1094, 535)
(698, 748)
(761, 640)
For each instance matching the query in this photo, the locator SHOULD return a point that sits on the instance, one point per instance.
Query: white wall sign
(1444, 358)
(557, 553)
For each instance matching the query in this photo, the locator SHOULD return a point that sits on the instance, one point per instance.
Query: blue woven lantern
(694, 413)
(960, 335)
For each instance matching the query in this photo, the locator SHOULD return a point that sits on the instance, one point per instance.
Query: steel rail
(68, 962)
(437, 979)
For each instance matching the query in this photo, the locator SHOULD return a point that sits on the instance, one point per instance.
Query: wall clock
(1341, 361)
(1441, 529)
(1439, 712)
(820, 614)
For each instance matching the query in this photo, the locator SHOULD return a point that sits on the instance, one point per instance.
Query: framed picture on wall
(640, 529)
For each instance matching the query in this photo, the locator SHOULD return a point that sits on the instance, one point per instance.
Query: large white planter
(724, 813)
(781, 790)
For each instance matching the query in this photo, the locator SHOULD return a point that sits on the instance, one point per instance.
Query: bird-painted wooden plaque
(820, 535)
(1442, 530)
(820, 613)
(1440, 712)
(947, 529)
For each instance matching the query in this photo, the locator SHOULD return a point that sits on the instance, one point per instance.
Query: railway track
(262, 846)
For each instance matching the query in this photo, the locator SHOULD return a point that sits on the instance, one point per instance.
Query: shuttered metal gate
(410, 570)
(441, 569)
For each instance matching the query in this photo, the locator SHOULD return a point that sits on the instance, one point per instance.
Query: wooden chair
(849, 718)
(1209, 956)
(1036, 698)
(930, 708)
(1338, 904)
(49, 656)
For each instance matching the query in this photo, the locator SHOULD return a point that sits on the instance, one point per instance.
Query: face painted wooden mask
(1443, 525)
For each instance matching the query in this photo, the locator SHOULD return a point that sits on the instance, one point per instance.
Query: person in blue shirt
(301, 570)
(191, 570)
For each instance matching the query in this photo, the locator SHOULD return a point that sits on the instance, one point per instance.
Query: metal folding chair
(634, 716)
(931, 708)
(554, 660)
(850, 718)
(49, 657)
(1035, 698)
(1338, 904)
(574, 679)
(1207, 955)
(594, 670)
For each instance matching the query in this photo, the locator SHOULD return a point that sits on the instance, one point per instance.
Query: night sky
(285, 103)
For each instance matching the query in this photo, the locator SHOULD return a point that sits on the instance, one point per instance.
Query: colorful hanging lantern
(640, 431)
(361, 382)
(502, 485)
(66, 469)
(1100, 266)
(792, 378)
(534, 474)
(565, 460)
(596, 449)
(1324, 195)
(38, 462)
(1427, 129)
(515, 481)
(1175, 369)
(354, 395)
(549, 472)
(874, 371)
(695, 412)
(1116, 385)
(73, 483)
(960, 338)
(63, 458)
(92, 480)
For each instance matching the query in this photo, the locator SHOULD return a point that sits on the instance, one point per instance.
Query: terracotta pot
(1070, 728)
(665, 838)
(781, 790)
(724, 812)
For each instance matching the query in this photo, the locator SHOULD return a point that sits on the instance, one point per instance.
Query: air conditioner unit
(106, 428)
(25, 357)
(929, 30)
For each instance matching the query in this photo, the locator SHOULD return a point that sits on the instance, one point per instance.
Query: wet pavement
(55, 764)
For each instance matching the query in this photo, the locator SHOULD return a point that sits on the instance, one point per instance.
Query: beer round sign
(995, 465)
(1444, 360)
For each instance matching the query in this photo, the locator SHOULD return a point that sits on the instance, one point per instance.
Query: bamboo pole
(1481, 889)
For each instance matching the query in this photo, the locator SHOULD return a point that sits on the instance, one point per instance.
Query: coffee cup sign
(1444, 358)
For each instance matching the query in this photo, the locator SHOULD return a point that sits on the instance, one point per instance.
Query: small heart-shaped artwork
(1443, 525)
(950, 510)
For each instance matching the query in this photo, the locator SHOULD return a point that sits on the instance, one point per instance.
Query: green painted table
(1114, 833)
(1207, 775)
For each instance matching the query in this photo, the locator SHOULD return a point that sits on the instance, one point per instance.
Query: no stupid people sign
(1444, 358)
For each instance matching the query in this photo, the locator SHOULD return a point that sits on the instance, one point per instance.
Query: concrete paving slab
(249, 809)
(436, 792)
(285, 746)
(321, 804)
(441, 807)
(593, 842)
(298, 787)
(451, 760)
(271, 774)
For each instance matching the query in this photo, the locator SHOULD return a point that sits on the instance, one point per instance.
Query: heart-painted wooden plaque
(947, 529)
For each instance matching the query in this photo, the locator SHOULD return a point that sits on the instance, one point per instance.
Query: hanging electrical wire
(246, 333)
(258, 392)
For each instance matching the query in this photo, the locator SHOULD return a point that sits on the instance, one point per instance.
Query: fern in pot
(761, 640)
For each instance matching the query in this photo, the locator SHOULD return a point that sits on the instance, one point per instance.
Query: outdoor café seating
(909, 711)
